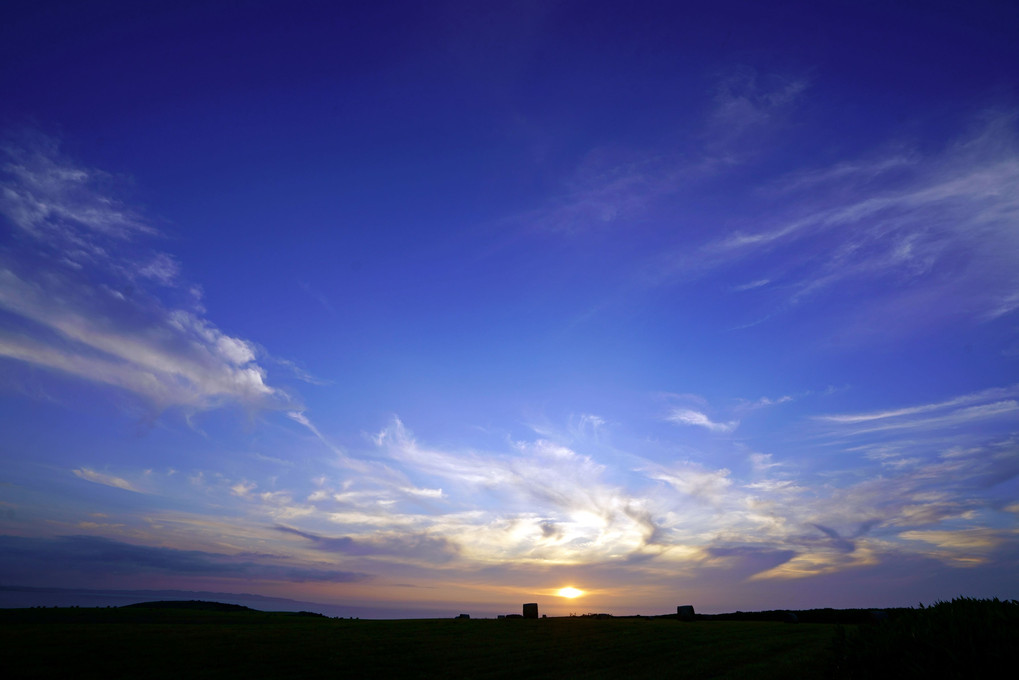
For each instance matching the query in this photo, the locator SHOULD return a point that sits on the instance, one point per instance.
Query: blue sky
(437, 305)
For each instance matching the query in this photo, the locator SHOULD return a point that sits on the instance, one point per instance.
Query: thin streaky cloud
(759, 283)
(612, 188)
(92, 302)
(978, 185)
(1006, 304)
(857, 171)
(318, 296)
(344, 459)
(747, 103)
(50, 197)
(174, 358)
(946, 210)
(683, 416)
(91, 475)
(299, 372)
(962, 415)
(604, 193)
(765, 402)
(966, 399)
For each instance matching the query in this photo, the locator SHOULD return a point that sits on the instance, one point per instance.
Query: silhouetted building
(531, 610)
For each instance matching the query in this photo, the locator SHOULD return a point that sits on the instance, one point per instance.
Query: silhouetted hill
(200, 605)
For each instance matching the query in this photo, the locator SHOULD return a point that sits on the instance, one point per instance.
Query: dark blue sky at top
(670, 238)
(376, 117)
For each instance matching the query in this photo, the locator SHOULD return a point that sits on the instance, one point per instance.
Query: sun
(570, 592)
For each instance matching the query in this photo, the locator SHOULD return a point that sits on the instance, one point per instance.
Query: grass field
(152, 643)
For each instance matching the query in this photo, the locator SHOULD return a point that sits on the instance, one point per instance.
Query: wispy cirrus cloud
(105, 479)
(986, 404)
(966, 400)
(766, 402)
(58, 202)
(858, 172)
(685, 416)
(970, 179)
(86, 296)
(942, 226)
(748, 103)
(696, 481)
(606, 189)
(300, 418)
(612, 186)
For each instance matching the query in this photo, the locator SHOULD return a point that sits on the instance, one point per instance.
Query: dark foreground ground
(171, 643)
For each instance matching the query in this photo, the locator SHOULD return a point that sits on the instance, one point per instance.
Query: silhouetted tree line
(826, 615)
(964, 638)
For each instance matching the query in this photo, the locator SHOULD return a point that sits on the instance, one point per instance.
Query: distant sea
(16, 597)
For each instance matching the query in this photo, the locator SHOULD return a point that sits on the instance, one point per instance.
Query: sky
(436, 307)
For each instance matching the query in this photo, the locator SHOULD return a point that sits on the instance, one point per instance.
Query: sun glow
(569, 592)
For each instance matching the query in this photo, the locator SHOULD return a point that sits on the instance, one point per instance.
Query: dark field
(155, 643)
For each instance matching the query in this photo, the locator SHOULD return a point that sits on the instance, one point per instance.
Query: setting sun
(570, 592)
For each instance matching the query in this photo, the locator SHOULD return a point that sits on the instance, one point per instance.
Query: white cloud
(759, 283)
(162, 268)
(172, 358)
(105, 479)
(243, 489)
(79, 286)
(762, 461)
(423, 493)
(765, 402)
(545, 503)
(52, 199)
(684, 416)
(554, 504)
(693, 480)
(587, 424)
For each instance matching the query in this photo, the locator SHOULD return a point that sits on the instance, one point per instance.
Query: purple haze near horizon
(429, 306)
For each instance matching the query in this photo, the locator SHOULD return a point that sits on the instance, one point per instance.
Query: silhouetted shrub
(964, 638)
